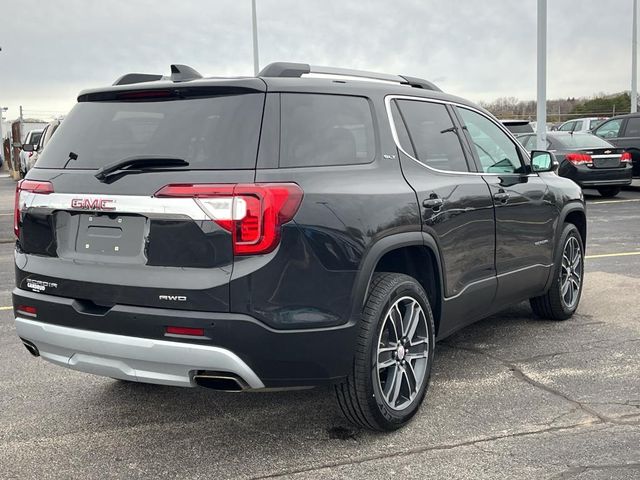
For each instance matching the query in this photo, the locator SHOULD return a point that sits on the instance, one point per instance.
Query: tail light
(252, 213)
(34, 186)
(626, 158)
(579, 158)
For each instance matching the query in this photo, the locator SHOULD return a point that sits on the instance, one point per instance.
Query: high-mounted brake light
(252, 213)
(579, 158)
(33, 186)
(145, 94)
(626, 157)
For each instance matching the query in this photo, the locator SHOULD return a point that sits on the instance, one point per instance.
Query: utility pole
(541, 114)
(254, 21)
(634, 59)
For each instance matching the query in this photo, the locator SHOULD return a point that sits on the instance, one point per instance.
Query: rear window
(577, 140)
(215, 133)
(596, 123)
(519, 127)
(320, 130)
(34, 138)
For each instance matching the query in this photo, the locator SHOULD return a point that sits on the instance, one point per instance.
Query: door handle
(502, 196)
(433, 203)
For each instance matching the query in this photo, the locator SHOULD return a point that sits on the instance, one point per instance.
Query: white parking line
(607, 255)
(600, 202)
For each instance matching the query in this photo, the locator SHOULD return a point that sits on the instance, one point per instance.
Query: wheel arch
(403, 253)
(574, 213)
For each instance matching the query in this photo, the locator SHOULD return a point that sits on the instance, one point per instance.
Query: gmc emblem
(92, 204)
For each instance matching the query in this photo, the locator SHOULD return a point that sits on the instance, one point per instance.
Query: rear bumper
(603, 177)
(130, 358)
(132, 339)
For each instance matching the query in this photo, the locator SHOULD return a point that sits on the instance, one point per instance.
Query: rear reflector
(626, 157)
(252, 213)
(579, 158)
(27, 310)
(34, 186)
(196, 332)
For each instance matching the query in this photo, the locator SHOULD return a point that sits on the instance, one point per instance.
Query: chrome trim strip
(394, 133)
(131, 358)
(143, 205)
(496, 277)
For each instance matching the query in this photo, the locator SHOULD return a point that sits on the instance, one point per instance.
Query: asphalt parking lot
(511, 397)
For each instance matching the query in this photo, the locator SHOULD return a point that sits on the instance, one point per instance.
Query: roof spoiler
(179, 73)
(296, 70)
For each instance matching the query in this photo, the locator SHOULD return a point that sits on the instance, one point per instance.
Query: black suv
(289, 230)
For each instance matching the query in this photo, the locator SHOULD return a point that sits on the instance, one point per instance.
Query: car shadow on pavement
(302, 410)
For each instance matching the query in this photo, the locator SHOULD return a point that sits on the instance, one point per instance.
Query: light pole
(634, 59)
(254, 25)
(541, 114)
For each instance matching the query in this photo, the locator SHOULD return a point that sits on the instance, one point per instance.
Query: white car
(46, 135)
(581, 124)
(32, 139)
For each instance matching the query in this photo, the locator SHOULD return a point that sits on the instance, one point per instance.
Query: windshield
(577, 140)
(210, 133)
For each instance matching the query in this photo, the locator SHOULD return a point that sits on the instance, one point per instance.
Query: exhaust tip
(225, 382)
(33, 350)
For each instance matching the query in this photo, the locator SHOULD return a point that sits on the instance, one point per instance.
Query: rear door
(524, 209)
(155, 237)
(455, 202)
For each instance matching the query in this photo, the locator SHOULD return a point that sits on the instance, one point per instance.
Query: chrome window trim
(396, 140)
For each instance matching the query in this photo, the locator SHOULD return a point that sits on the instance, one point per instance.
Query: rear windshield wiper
(127, 165)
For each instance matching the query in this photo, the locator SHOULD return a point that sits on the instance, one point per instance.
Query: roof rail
(287, 69)
(179, 73)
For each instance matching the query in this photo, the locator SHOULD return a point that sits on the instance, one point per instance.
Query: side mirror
(27, 147)
(543, 161)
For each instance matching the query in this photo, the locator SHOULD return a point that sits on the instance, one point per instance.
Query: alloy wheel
(402, 353)
(571, 273)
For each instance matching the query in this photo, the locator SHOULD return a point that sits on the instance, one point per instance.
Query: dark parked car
(624, 132)
(518, 126)
(285, 231)
(588, 160)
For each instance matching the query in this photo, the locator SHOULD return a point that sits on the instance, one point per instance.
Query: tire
(554, 305)
(609, 192)
(367, 396)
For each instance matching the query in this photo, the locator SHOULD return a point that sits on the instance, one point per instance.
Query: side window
(528, 142)
(633, 127)
(496, 151)
(401, 130)
(320, 130)
(610, 129)
(433, 135)
(567, 127)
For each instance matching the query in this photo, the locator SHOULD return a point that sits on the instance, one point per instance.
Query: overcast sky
(479, 49)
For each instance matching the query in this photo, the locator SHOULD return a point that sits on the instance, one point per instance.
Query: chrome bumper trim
(131, 358)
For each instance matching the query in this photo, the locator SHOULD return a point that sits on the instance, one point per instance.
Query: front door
(524, 209)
